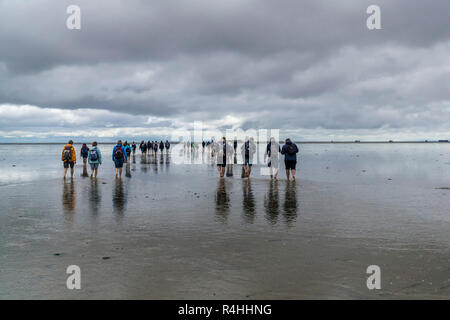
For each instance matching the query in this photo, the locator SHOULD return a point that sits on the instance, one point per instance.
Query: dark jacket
(288, 156)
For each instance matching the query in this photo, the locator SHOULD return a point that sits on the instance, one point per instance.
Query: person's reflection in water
(222, 201)
(69, 201)
(94, 198)
(85, 173)
(68, 197)
(119, 198)
(133, 167)
(167, 161)
(271, 202)
(290, 203)
(144, 163)
(248, 201)
(128, 169)
(155, 163)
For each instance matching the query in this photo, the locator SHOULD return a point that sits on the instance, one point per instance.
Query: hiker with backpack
(127, 149)
(290, 151)
(272, 150)
(248, 149)
(119, 156)
(155, 148)
(143, 147)
(84, 153)
(133, 147)
(224, 151)
(167, 146)
(94, 159)
(69, 157)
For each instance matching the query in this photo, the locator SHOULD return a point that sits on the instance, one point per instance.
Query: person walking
(119, 156)
(155, 148)
(127, 148)
(133, 147)
(290, 151)
(272, 153)
(221, 152)
(149, 147)
(94, 159)
(167, 146)
(84, 153)
(69, 157)
(248, 149)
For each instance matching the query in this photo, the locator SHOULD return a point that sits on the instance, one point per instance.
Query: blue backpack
(93, 155)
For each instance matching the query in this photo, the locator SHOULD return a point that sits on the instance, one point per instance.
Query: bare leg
(287, 174)
(120, 172)
(65, 172)
(71, 172)
(96, 171)
(293, 174)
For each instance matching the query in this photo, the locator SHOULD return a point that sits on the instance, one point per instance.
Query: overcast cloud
(145, 68)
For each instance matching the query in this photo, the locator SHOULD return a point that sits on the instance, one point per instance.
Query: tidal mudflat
(173, 230)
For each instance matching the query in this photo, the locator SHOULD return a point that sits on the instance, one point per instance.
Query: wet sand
(173, 230)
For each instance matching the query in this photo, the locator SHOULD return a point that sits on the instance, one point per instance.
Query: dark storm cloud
(284, 64)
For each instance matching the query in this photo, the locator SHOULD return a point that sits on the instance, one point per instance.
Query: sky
(141, 69)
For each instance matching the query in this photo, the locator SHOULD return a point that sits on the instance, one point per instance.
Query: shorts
(69, 163)
(93, 166)
(247, 162)
(224, 162)
(290, 164)
(118, 163)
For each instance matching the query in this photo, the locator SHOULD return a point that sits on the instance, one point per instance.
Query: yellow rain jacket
(74, 156)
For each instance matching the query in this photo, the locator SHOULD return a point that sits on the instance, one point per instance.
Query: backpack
(118, 153)
(67, 154)
(291, 149)
(93, 155)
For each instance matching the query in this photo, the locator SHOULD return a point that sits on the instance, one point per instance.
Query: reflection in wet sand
(290, 203)
(222, 201)
(69, 202)
(128, 170)
(229, 170)
(85, 173)
(248, 201)
(272, 203)
(167, 162)
(119, 197)
(68, 196)
(144, 163)
(94, 197)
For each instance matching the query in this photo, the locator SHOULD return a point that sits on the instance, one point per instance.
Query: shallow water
(171, 229)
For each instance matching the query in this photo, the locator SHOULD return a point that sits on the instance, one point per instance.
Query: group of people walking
(120, 155)
(222, 151)
(151, 147)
